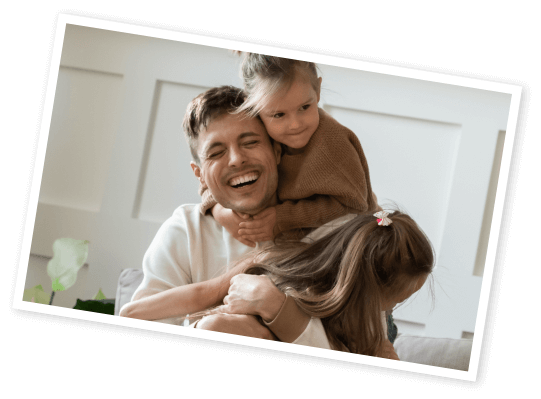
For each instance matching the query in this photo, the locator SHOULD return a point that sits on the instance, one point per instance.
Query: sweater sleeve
(166, 263)
(308, 213)
(208, 200)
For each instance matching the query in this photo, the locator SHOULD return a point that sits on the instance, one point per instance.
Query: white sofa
(439, 352)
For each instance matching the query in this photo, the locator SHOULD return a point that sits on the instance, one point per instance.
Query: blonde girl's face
(291, 117)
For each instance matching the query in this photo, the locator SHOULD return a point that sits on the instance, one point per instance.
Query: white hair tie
(383, 220)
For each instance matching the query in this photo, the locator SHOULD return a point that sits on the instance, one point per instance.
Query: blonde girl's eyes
(281, 114)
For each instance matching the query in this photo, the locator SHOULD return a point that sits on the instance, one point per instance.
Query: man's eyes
(217, 154)
(305, 107)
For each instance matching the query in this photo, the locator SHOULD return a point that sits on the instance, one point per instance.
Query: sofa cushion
(439, 352)
(128, 282)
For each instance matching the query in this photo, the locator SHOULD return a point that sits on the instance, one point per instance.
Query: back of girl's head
(345, 276)
(265, 75)
(399, 253)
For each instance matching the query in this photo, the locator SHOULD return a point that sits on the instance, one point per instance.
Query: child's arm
(308, 213)
(290, 215)
(313, 212)
(183, 300)
(231, 221)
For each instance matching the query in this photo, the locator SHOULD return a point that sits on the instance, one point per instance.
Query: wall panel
(166, 178)
(83, 129)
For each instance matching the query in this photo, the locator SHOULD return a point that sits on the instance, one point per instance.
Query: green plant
(69, 255)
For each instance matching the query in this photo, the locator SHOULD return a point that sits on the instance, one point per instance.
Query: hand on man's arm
(257, 295)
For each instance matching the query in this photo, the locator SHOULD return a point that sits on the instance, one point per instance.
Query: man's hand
(246, 325)
(260, 227)
(230, 220)
(254, 295)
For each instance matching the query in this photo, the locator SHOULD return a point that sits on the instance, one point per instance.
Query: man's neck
(272, 202)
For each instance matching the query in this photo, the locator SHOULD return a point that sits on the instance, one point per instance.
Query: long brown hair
(343, 277)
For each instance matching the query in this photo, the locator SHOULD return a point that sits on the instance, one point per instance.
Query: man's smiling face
(238, 163)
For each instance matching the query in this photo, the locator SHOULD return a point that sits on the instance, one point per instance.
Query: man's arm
(239, 324)
(166, 263)
(183, 300)
(257, 295)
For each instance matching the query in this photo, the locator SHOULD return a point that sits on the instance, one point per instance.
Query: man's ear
(197, 171)
(277, 148)
(319, 80)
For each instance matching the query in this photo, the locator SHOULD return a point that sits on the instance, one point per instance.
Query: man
(191, 247)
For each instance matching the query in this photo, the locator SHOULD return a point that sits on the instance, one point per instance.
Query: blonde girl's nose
(294, 123)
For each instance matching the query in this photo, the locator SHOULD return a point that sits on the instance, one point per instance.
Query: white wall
(117, 164)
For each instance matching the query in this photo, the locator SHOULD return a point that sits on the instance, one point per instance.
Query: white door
(117, 163)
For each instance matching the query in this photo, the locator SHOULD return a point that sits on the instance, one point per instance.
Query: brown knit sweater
(329, 179)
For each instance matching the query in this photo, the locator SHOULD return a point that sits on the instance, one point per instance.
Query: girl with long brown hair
(346, 278)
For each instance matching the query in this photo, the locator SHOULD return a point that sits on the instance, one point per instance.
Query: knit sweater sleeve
(329, 179)
(308, 213)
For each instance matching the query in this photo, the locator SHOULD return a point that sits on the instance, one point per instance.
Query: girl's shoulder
(330, 129)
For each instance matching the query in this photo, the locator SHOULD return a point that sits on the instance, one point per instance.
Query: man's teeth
(243, 179)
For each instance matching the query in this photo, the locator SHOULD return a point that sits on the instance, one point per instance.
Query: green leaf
(37, 295)
(69, 256)
(57, 286)
(99, 295)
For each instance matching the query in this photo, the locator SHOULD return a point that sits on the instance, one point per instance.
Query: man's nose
(236, 157)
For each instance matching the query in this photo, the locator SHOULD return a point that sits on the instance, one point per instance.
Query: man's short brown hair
(206, 107)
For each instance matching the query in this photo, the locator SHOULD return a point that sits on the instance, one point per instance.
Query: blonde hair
(265, 75)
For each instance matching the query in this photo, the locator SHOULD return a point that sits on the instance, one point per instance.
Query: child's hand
(230, 221)
(260, 227)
